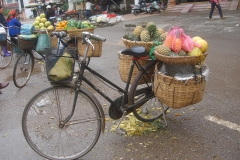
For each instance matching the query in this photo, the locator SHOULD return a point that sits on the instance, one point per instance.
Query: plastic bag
(62, 68)
(177, 39)
(188, 43)
(174, 39)
(26, 29)
(44, 41)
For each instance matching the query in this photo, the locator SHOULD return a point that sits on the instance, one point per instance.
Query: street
(209, 130)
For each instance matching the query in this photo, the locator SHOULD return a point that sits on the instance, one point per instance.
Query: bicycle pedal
(121, 131)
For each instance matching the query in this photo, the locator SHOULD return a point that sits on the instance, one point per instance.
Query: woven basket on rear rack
(130, 44)
(78, 32)
(190, 60)
(96, 52)
(125, 62)
(177, 94)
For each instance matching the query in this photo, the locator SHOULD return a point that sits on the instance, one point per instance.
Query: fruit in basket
(195, 52)
(196, 38)
(162, 49)
(161, 30)
(38, 18)
(41, 25)
(145, 36)
(168, 41)
(42, 15)
(137, 30)
(43, 20)
(204, 45)
(182, 53)
(151, 27)
(48, 23)
(50, 27)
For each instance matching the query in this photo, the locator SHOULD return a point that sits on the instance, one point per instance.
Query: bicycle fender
(90, 95)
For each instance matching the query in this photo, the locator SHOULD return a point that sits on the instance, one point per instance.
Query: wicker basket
(78, 32)
(191, 60)
(25, 44)
(177, 94)
(130, 44)
(125, 62)
(97, 52)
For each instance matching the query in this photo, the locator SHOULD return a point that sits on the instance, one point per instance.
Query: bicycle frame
(83, 66)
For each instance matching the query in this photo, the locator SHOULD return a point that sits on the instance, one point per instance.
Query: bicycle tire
(5, 61)
(150, 110)
(43, 115)
(23, 69)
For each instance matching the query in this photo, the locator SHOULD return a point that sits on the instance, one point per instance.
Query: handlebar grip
(94, 36)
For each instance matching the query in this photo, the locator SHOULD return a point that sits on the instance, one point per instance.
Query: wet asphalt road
(208, 130)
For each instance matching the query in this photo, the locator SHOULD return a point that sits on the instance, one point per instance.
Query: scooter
(142, 6)
(154, 7)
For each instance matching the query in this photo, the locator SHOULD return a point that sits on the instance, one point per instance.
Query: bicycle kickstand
(120, 131)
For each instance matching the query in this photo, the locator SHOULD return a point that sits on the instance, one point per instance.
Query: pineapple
(182, 53)
(162, 37)
(161, 30)
(131, 37)
(145, 36)
(156, 36)
(168, 41)
(162, 49)
(151, 27)
(137, 31)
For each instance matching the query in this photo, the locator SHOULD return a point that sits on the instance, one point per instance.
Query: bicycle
(65, 121)
(6, 60)
(24, 65)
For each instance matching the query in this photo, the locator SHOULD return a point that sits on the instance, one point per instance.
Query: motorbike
(155, 6)
(141, 7)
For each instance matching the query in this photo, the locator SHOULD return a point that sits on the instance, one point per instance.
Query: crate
(60, 64)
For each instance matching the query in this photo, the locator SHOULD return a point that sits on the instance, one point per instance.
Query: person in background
(34, 10)
(50, 13)
(14, 27)
(217, 4)
(4, 23)
(88, 10)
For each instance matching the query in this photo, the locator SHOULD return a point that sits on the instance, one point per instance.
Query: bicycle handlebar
(93, 36)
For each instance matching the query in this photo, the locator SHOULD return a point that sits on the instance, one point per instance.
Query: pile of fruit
(61, 25)
(42, 23)
(179, 44)
(148, 34)
(73, 24)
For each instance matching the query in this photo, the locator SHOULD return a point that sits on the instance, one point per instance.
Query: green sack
(62, 69)
(44, 41)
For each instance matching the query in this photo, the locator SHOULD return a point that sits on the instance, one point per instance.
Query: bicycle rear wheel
(23, 69)
(6, 60)
(142, 90)
(43, 116)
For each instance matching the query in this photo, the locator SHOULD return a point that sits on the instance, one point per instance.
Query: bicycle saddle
(136, 51)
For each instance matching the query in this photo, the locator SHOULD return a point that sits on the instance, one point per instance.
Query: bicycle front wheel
(142, 92)
(43, 128)
(23, 69)
(5, 59)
